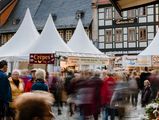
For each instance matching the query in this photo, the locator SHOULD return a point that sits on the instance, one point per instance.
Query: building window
(108, 13)
(131, 35)
(68, 35)
(131, 13)
(142, 11)
(108, 36)
(9, 36)
(101, 45)
(101, 9)
(61, 32)
(118, 35)
(101, 15)
(117, 16)
(4, 39)
(142, 34)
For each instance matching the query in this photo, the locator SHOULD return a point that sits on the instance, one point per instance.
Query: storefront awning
(122, 5)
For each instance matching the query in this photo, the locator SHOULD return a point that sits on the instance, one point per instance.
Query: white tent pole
(11, 63)
(50, 68)
(9, 67)
(16, 65)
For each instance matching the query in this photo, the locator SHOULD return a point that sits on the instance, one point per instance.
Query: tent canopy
(49, 41)
(26, 35)
(153, 48)
(80, 43)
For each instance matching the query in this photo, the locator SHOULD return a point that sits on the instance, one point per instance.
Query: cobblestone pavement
(132, 113)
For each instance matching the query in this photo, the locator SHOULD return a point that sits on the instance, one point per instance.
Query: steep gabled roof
(6, 8)
(153, 47)
(3, 3)
(25, 36)
(64, 10)
(18, 13)
(49, 41)
(80, 42)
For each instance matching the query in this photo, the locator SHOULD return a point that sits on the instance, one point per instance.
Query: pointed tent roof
(153, 48)
(25, 36)
(49, 41)
(80, 42)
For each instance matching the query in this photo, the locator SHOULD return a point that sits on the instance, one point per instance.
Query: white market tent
(153, 48)
(81, 44)
(49, 41)
(25, 36)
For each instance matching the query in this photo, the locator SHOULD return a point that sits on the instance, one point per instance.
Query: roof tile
(40, 10)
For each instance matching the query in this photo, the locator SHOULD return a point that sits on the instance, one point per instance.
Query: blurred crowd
(30, 94)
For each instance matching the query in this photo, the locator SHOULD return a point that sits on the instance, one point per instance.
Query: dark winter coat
(144, 76)
(5, 89)
(146, 96)
(40, 85)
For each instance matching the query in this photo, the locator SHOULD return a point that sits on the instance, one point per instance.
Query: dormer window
(16, 21)
(54, 16)
(79, 14)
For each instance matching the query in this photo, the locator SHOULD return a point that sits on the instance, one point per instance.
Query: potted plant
(152, 110)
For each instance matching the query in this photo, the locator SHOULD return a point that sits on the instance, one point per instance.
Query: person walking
(107, 90)
(5, 90)
(40, 76)
(146, 93)
(34, 105)
(31, 81)
(16, 83)
(134, 88)
(17, 88)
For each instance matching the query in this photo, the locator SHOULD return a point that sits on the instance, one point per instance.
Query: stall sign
(129, 60)
(155, 60)
(144, 61)
(86, 61)
(137, 61)
(92, 61)
(42, 58)
(71, 61)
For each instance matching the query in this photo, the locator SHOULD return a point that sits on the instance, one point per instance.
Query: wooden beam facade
(6, 11)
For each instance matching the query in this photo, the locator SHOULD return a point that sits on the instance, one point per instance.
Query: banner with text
(86, 61)
(155, 61)
(41, 58)
(137, 61)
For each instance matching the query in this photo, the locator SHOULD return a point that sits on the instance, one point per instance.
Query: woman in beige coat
(17, 85)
